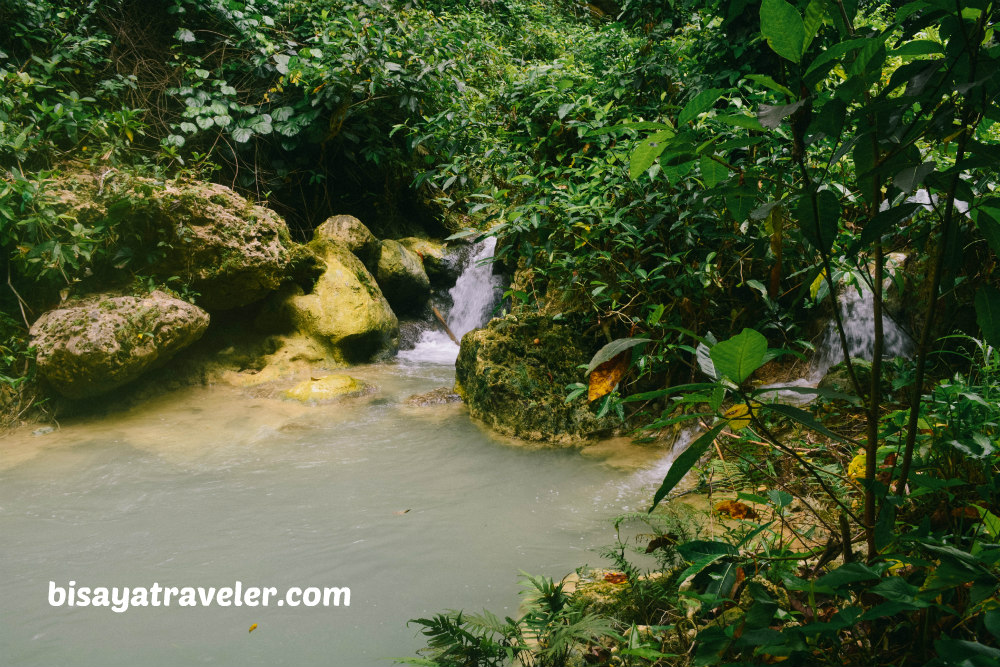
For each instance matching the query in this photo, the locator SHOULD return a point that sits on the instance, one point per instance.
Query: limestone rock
(439, 396)
(442, 267)
(353, 235)
(402, 278)
(227, 249)
(327, 388)
(102, 343)
(512, 375)
(346, 311)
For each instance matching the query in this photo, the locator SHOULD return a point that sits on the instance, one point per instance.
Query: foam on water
(475, 294)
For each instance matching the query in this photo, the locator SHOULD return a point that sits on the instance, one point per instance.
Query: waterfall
(857, 312)
(474, 296)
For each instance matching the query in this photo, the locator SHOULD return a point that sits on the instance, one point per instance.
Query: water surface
(207, 486)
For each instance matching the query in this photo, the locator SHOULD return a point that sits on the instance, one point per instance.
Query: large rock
(513, 373)
(221, 246)
(104, 342)
(346, 311)
(402, 278)
(351, 233)
(442, 267)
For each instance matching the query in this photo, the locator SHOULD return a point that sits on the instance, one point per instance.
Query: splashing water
(857, 312)
(474, 295)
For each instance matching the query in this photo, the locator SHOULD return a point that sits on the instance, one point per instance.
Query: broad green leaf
(988, 222)
(740, 203)
(782, 27)
(988, 314)
(646, 152)
(242, 134)
(768, 82)
(918, 47)
(908, 179)
(738, 357)
(891, 218)
(612, 350)
(698, 104)
(685, 461)
(848, 573)
(814, 19)
(741, 120)
(819, 220)
(712, 172)
(282, 113)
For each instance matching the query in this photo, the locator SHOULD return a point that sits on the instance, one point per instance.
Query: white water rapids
(474, 295)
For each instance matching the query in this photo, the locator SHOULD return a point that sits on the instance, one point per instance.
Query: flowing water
(475, 293)
(857, 313)
(415, 509)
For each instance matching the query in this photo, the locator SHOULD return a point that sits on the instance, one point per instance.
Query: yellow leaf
(253, 627)
(128, 133)
(739, 416)
(856, 468)
(604, 378)
(817, 283)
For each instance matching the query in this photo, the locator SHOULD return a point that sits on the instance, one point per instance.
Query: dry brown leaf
(736, 509)
(604, 378)
(615, 578)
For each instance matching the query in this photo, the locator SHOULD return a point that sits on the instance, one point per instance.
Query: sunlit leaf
(606, 376)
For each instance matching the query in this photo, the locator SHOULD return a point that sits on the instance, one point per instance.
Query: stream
(415, 509)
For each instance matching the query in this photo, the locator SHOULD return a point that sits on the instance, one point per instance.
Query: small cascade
(475, 294)
(857, 312)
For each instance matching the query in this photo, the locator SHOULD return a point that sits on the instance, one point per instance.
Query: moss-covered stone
(441, 266)
(225, 248)
(106, 341)
(327, 388)
(346, 311)
(513, 374)
(351, 233)
(402, 278)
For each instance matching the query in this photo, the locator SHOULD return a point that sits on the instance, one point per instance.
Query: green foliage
(546, 633)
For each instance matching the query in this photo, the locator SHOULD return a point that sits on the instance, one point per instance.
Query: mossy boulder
(104, 342)
(838, 379)
(328, 388)
(402, 278)
(222, 246)
(512, 375)
(346, 311)
(352, 234)
(439, 262)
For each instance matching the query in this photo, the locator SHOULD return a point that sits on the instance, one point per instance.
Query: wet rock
(513, 373)
(104, 342)
(346, 310)
(439, 396)
(402, 278)
(442, 267)
(838, 379)
(331, 387)
(351, 233)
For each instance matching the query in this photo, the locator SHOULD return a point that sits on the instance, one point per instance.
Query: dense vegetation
(676, 176)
